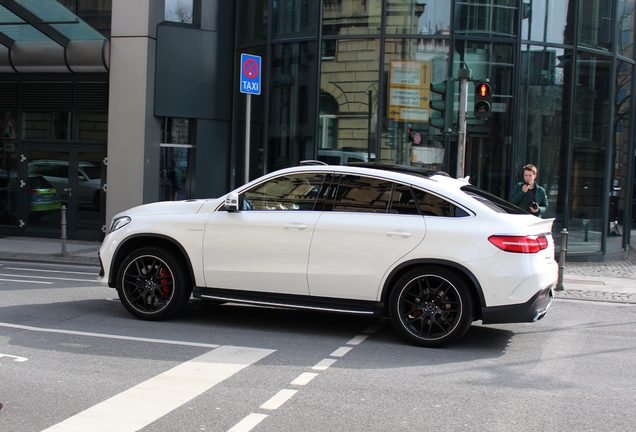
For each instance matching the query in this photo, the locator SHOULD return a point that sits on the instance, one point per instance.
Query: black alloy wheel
(152, 285)
(431, 307)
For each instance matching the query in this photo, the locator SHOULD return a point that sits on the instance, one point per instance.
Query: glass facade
(379, 80)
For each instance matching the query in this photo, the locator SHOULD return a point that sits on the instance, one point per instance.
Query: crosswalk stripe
(144, 403)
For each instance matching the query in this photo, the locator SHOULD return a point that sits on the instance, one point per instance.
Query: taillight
(520, 244)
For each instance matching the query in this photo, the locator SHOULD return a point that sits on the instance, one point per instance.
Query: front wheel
(152, 284)
(431, 306)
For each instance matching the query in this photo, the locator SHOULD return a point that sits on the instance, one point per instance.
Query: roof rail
(407, 169)
(312, 162)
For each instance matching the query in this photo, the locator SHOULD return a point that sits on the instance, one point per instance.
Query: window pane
(626, 28)
(252, 19)
(348, 17)
(175, 175)
(591, 123)
(293, 192)
(46, 125)
(362, 194)
(177, 130)
(295, 17)
(402, 201)
(292, 104)
(349, 83)
(432, 205)
(93, 126)
(418, 17)
(542, 129)
(181, 11)
(486, 17)
(489, 141)
(620, 159)
(547, 21)
(595, 23)
(413, 132)
(9, 185)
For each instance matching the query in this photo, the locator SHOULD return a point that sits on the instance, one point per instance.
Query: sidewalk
(613, 281)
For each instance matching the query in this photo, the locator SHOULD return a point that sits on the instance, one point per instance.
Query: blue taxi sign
(250, 74)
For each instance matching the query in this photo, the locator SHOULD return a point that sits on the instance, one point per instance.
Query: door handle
(295, 227)
(402, 234)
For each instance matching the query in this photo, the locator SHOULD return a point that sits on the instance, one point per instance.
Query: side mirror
(232, 202)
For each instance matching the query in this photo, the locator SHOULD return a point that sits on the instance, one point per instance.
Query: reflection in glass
(486, 17)
(412, 130)
(541, 127)
(351, 17)
(90, 196)
(626, 28)
(252, 16)
(93, 126)
(49, 185)
(546, 20)
(292, 102)
(46, 125)
(8, 182)
(589, 136)
(294, 17)
(596, 23)
(175, 176)
(420, 17)
(488, 143)
(351, 79)
(181, 11)
(620, 158)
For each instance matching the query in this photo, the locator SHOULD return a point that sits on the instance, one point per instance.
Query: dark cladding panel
(8, 95)
(193, 77)
(47, 95)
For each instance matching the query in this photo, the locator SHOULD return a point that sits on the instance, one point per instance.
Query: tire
(152, 284)
(430, 306)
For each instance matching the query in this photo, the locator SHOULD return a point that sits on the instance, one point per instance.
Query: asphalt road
(71, 358)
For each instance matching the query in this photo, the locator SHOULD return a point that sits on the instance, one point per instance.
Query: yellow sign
(409, 91)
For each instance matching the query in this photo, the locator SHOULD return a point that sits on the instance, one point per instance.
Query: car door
(265, 245)
(370, 225)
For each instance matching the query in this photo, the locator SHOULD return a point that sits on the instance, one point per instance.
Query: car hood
(165, 207)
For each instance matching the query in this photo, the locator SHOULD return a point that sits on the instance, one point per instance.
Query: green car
(43, 195)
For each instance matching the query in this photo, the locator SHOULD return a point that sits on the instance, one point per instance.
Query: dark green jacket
(522, 199)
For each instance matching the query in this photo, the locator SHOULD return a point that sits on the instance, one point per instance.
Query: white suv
(431, 252)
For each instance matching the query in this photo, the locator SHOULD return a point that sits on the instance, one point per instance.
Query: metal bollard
(63, 236)
(562, 253)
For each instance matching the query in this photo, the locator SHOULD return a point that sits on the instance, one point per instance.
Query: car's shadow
(232, 324)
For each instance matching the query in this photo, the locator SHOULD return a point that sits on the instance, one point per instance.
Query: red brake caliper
(165, 290)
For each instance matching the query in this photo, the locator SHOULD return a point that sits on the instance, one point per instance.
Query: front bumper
(532, 310)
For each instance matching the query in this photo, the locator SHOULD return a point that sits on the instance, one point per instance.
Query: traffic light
(437, 116)
(483, 100)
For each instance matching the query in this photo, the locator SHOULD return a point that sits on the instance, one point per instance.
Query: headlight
(120, 222)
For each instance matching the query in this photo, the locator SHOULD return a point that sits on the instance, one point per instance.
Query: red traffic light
(483, 90)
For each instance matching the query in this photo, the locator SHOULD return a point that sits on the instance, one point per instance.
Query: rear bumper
(532, 310)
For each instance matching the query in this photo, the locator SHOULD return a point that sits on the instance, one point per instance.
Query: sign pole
(248, 111)
(464, 76)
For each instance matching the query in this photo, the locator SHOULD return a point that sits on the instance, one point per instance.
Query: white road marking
(15, 358)
(108, 336)
(50, 277)
(141, 405)
(248, 423)
(357, 340)
(50, 271)
(278, 399)
(304, 378)
(324, 364)
(340, 351)
(26, 281)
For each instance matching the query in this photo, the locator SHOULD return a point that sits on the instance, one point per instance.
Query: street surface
(71, 358)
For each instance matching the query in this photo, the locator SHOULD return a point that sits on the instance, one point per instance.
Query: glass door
(8, 185)
(71, 179)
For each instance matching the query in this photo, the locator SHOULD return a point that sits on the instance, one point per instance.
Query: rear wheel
(431, 306)
(152, 284)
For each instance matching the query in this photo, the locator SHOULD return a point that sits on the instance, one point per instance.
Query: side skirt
(323, 304)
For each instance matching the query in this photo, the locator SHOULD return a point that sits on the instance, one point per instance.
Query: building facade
(342, 80)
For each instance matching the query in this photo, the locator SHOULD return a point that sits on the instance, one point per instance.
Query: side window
(432, 205)
(361, 194)
(291, 192)
(403, 202)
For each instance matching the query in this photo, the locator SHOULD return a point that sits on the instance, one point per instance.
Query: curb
(51, 259)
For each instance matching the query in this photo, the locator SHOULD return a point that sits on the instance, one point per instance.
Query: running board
(321, 304)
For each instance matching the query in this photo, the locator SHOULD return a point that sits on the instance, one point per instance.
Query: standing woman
(528, 195)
